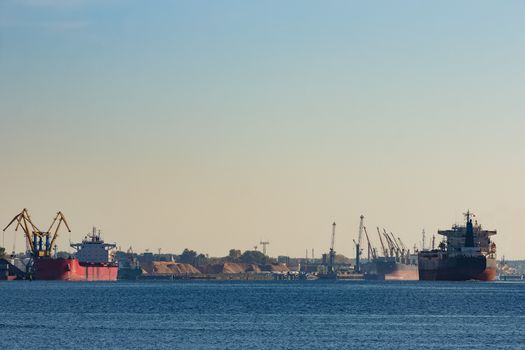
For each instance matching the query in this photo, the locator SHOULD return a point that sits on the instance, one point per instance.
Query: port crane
(371, 250)
(358, 249)
(397, 247)
(402, 244)
(392, 245)
(385, 251)
(40, 243)
(331, 256)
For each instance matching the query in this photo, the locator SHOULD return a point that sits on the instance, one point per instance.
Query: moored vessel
(393, 263)
(93, 260)
(391, 269)
(466, 253)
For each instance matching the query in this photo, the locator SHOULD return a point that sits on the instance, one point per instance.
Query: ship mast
(469, 234)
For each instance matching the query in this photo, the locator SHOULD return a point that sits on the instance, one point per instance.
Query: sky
(214, 125)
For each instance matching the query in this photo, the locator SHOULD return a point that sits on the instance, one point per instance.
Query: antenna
(423, 242)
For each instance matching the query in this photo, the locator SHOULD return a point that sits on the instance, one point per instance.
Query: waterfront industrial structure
(93, 261)
(466, 253)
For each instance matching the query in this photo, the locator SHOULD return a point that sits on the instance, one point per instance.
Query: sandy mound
(276, 268)
(169, 268)
(231, 268)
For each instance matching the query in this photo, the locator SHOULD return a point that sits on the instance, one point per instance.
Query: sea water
(262, 315)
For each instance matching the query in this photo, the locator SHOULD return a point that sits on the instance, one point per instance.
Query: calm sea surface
(262, 315)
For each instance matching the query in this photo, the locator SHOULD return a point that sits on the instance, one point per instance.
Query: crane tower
(331, 258)
(358, 246)
(264, 244)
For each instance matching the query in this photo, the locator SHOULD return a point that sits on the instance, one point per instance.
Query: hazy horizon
(214, 125)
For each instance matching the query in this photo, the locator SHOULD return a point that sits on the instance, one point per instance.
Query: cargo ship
(93, 261)
(392, 268)
(393, 263)
(129, 267)
(466, 253)
(9, 271)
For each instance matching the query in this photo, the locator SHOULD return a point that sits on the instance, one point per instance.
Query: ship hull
(390, 271)
(72, 270)
(127, 273)
(435, 267)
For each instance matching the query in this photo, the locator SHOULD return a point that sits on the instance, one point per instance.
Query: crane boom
(36, 238)
(394, 240)
(333, 237)
(401, 243)
(23, 220)
(361, 226)
(389, 244)
(61, 218)
(371, 249)
(385, 252)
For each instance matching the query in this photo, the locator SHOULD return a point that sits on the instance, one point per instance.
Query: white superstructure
(93, 249)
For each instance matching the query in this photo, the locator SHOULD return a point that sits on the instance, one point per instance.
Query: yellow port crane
(40, 242)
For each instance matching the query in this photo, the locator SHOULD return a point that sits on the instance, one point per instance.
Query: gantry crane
(40, 243)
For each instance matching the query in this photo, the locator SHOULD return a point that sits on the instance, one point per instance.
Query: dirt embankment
(230, 268)
(169, 268)
(276, 268)
(173, 268)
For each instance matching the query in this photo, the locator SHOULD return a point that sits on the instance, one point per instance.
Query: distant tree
(253, 257)
(234, 255)
(187, 256)
(200, 260)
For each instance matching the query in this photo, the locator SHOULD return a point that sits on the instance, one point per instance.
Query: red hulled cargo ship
(467, 253)
(93, 261)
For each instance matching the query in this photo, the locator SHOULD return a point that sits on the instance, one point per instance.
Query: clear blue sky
(214, 124)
